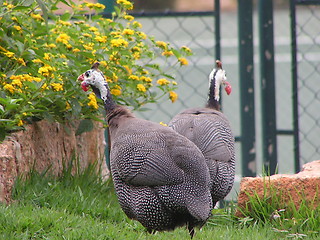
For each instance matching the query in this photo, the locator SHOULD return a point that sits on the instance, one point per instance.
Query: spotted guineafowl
(210, 130)
(161, 178)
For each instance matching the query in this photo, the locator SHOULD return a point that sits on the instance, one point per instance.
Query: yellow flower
(88, 46)
(115, 92)
(137, 24)
(174, 83)
(14, 19)
(45, 86)
(146, 79)
(63, 38)
(46, 70)
(17, 82)
(167, 53)
(57, 86)
(18, 28)
(129, 17)
(101, 39)
(79, 22)
(104, 63)
(90, 5)
(76, 50)
(37, 61)
(93, 29)
(9, 88)
(87, 35)
(9, 6)
(136, 55)
(36, 79)
(173, 96)
(183, 61)
(46, 56)
(163, 124)
(68, 106)
(119, 43)
(126, 4)
(95, 5)
(127, 31)
(141, 88)
(161, 44)
(51, 45)
(37, 17)
(163, 81)
(64, 23)
(142, 35)
(21, 61)
(134, 77)
(99, 6)
(186, 49)
(20, 123)
(9, 54)
(92, 101)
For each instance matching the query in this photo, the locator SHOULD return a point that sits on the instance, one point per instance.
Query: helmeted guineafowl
(161, 178)
(210, 130)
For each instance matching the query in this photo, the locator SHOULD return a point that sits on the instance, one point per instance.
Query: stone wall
(46, 145)
(303, 186)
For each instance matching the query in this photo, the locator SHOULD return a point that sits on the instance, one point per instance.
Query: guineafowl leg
(151, 231)
(191, 231)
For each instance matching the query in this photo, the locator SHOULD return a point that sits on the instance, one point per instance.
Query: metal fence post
(246, 65)
(109, 5)
(217, 28)
(267, 72)
(294, 72)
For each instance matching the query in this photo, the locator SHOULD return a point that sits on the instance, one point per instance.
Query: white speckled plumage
(210, 130)
(161, 178)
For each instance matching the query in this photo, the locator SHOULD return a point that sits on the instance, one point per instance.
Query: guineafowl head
(94, 78)
(217, 78)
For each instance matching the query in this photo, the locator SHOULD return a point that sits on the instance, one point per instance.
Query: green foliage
(42, 54)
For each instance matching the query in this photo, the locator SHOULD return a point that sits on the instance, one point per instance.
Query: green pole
(217, 28)
(267, 73)
(246, 67)
(295, 86)
(109, 5)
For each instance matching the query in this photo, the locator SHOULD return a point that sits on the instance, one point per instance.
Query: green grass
(84, 207)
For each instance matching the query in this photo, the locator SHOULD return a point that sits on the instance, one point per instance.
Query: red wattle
(228, 88)
(85, 86)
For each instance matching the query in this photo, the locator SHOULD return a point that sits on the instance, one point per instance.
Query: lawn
(83, 207)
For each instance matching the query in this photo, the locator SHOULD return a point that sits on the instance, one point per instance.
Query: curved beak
(228, 87)
(81, 77)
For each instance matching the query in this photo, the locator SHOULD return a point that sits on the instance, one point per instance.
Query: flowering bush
(42, 55)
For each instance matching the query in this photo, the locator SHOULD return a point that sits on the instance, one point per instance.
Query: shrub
(43, 53)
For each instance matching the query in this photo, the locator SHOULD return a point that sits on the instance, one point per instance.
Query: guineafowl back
(211, 132)
(161, 177)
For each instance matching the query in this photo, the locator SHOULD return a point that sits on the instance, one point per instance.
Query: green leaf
(65, 2)
(85, 125)
(66, 16)
(176, 53)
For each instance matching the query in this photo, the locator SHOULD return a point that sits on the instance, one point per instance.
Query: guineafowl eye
(87, 73)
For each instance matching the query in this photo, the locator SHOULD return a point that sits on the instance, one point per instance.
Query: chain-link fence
(308, 75)
(195, 30)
